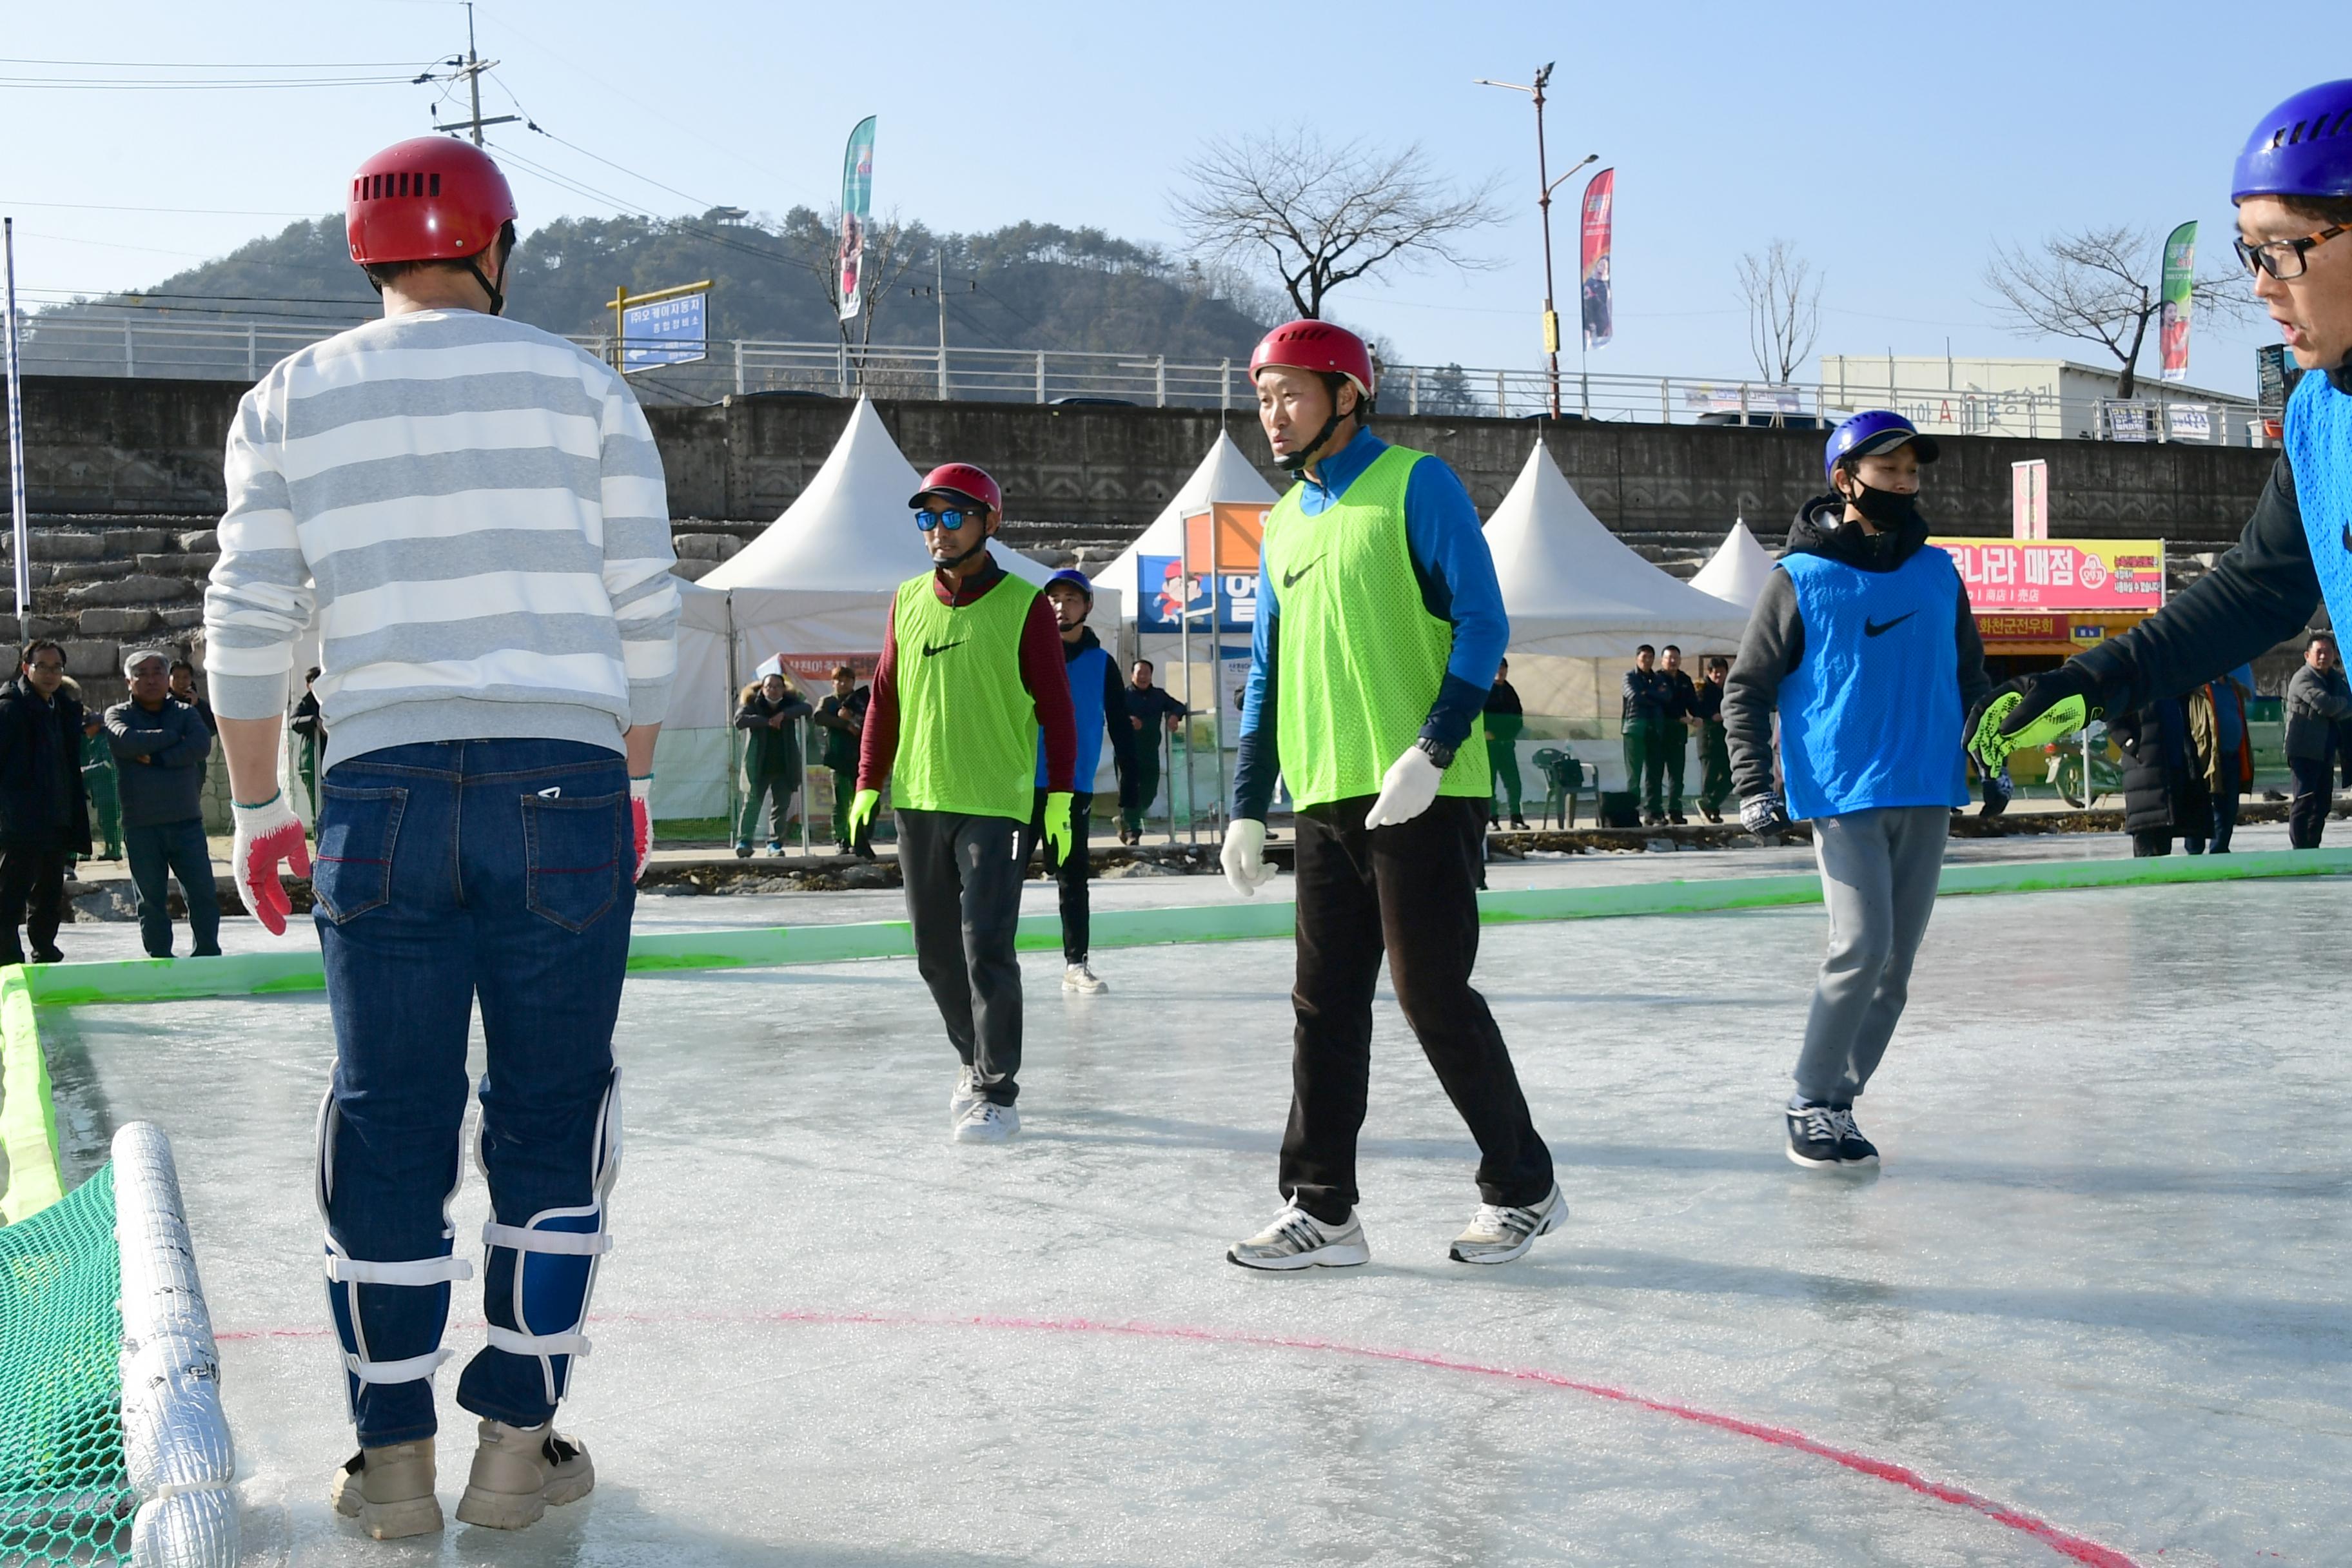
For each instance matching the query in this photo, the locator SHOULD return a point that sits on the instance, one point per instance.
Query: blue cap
(2302, 148)
(1871, 431)
(1075, 578)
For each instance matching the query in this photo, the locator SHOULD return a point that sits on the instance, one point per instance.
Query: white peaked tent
(1736, 573)
(1580, 599)
(818, 580)
(1223, 475)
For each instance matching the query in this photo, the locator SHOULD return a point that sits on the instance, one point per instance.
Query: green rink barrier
(262, 973)
(28, 1120)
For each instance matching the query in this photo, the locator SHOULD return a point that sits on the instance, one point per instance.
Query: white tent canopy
(1223, 475)
(1737, 572)
(1579, 597)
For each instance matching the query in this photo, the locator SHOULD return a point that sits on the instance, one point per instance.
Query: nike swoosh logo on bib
(1290, 579)
(930, 649)
(1871, 628)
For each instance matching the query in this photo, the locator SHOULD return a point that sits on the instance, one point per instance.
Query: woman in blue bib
(1864, 643)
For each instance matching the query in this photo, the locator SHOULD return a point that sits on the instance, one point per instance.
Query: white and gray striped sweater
(474, 510)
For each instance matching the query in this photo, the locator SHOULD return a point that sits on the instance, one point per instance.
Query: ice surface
(2099, 1281)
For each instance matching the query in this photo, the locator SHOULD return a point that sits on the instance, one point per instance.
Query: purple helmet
(1874, 430)
(2302, 148)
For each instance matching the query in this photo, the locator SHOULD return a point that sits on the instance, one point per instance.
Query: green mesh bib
(967, 726)
(1360, 659)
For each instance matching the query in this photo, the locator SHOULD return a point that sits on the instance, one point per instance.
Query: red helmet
(1317, 346)
(430, 198)
(964, 482)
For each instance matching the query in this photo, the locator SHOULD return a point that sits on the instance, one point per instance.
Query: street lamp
(1545, 185)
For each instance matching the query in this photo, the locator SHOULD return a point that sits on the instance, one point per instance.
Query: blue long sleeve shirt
(1456, 574)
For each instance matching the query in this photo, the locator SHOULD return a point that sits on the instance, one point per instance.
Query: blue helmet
(1075, 578)
(2302, 148)
(1874, 430)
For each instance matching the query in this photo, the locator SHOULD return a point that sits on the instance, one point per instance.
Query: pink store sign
(2059, 573)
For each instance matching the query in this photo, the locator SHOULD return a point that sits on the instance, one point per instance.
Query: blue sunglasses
(950, 519)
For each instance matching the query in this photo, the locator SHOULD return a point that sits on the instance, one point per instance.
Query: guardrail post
(1501, 403)
(1412, 390)
(252, 354)
(943, 377)
(1224, 385)
(1665, 403)
(842, 369)
(741, 388)
(1159, 380)
(1041, 375)
(130, 360)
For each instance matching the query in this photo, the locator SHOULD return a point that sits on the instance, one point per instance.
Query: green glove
(1057, 824)
(861, 812)
(2060, 719)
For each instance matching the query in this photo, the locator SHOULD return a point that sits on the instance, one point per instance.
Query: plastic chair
(1563, 776)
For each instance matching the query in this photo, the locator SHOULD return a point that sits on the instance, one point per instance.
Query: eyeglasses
(950, 519)
(48, 667)
(2284, 258)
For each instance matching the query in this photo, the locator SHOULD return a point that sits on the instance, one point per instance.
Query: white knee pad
(556, 1255)
(346, 1274)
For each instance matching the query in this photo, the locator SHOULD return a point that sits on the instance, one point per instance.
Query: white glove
(1245, 859)
(267, 834)
(1407, 790)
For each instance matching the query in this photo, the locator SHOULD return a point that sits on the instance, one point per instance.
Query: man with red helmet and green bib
(1380, 627)
(970, 685)
(2293, 189)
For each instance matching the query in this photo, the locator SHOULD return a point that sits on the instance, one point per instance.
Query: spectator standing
(160, 745)
(2164, 777)
(1154, 714)
(770, 714)
(1506, 721)
(1714, 751)
(97, 783)
(2232, 773)
(841, 715)
(1098, 705)
(1675, 730)
(183, 689)
(44, 814)
(309, 727)
(1641, 709)
(2317, 702)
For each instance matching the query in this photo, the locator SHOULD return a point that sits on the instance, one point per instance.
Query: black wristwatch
(1439, 753)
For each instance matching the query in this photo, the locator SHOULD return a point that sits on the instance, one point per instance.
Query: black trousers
(1072, 873)
(963, 899)
(32, 894)
(1409, 891)
(2306, 813)
(2225, 810)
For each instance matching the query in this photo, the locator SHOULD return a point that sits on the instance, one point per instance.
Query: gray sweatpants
(1878, 877)
(963, 901)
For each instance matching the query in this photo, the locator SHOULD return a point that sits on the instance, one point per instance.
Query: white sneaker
(1296, 1239)
(967, 1095)
(987, 1123)
(1498, 1233)
(1082, 977)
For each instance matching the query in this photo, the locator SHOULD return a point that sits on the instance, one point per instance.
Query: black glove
(1762, 814)
(2024, 704)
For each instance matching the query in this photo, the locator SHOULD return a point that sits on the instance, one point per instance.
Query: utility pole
(938, 291)
(469, 68)
(1545, 185)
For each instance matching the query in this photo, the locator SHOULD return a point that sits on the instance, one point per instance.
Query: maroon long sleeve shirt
(1043, 672)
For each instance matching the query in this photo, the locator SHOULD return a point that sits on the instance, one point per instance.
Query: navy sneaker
(1814, 1135)
(1852, 1148)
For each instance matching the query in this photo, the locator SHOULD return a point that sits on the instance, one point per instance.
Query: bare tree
(1317, 216)
(892, 248)
(2099, 284)
(1784, 308)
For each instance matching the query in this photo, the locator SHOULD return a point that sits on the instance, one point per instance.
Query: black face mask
(1887, 510)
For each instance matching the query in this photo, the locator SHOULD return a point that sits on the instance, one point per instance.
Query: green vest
(1360, 659)
(967, 726)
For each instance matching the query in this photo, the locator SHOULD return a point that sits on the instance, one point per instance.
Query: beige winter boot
(518, 1471)
(389, 1491)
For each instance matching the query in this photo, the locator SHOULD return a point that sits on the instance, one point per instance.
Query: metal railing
(86, 344)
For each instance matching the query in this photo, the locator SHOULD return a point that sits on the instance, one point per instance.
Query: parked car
(1761, 420)
(1095, 403)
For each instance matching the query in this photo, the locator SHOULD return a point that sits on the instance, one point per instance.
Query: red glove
(641, 822)
(265, 834)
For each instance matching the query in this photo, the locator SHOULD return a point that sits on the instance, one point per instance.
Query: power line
(132, 84)
(122, 207)
(218, 65)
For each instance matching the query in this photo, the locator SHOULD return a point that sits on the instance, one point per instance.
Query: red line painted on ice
(2075, 1548)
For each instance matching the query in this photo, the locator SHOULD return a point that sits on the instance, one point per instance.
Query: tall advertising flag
(1599, 203)
(2179, 282)
(857, 202)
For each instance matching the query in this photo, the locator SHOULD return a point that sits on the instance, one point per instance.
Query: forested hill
(1028, 286)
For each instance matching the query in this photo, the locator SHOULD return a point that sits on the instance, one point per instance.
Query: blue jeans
(160, 851)
(447, 872)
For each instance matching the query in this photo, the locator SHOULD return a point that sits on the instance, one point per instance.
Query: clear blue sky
(1895, 153)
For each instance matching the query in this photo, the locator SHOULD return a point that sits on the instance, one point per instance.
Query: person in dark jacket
(1714, 750)
(770, 713)
(309, 727)
(97, 783)
(2165, 794)
(1153, 714)
(2290, 192)
(1675, 729)
(1864, 643)
(2232, 773)
(841, 714)
(160, 745)
(1506, 719)
(2318, 701)
(1643, 704)
(1099, 699)
(44, 812)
